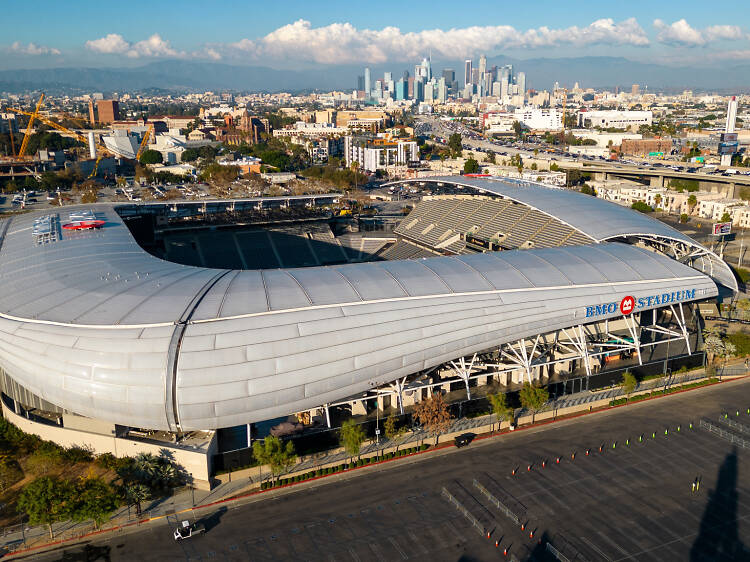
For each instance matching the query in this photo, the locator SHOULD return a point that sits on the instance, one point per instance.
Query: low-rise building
(372, 154)
(615, 119)
(540, 119)
(644, 147)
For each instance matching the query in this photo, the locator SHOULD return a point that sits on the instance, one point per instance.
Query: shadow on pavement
(214, 519)
(87, 553)
(718, 537)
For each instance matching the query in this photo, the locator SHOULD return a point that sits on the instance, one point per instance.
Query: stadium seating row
(441, 223)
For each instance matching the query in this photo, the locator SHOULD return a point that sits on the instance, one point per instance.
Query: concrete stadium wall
(195, 463)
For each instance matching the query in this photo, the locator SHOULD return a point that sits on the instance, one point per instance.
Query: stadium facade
(95, 332)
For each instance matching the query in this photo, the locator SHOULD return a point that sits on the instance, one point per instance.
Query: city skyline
(100, 35)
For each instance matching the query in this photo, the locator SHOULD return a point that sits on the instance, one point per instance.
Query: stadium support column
(679, 319)
(580, 344)
(398, 386)
(521, 357)
(634, 330)
(464, 371)
(328, 416)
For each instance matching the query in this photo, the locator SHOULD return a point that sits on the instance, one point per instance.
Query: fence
(556, 553)
(459, 506)
(735, 425)
(731, 437)
(496, 502)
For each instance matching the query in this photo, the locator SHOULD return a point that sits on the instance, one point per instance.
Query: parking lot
(631, 501)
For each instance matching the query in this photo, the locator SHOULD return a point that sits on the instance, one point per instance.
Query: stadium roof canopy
(599, 219)
(92, 323)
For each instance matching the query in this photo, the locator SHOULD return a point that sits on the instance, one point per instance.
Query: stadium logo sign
(630, 304)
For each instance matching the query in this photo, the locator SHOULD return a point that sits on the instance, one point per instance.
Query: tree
(500, 408)
(629, 383)
(713, 344)
(641, 206)
(533, 397)
(189, 155)
(46, 500)
(554, 167)
(471, 166)
(692, 202)
(588, 190)
(726, 217)
(276, 454)
(684, 217)
(454, 143)
(657, 200)
(517, 129)
(390, 428)
(433, 415)
(135, 494)
(351, 436)
(533, 166)
(94, 499)
(490, 158)
(10, 473)
(151, 157)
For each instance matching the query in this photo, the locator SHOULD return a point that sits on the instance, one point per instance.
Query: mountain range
(541, 73)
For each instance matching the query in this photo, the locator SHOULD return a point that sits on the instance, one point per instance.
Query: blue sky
(294, 33)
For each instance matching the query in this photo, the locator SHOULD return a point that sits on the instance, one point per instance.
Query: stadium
(176, 321)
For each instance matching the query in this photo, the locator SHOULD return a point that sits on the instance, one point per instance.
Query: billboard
(722, 228)
(728, 147)
(728, 137)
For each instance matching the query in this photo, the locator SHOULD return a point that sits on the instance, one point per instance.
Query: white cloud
(681, 33)
(343, 43)
(716, 32)
(114, 43)
(154, 46)
(33, 49)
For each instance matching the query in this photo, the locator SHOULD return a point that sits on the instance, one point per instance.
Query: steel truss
(581, 342)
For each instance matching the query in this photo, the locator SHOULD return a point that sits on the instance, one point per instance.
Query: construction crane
(144, 142)
(32, 117)
(102, 148)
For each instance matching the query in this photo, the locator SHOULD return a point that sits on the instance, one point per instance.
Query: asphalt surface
(631, 502)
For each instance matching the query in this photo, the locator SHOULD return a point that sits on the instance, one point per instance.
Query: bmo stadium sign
(629, 304)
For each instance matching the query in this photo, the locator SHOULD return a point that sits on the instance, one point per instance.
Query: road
(629, 502)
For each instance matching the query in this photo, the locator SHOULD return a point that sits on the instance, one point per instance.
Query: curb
(431, 449)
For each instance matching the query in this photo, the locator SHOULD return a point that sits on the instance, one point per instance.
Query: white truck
(187, 530)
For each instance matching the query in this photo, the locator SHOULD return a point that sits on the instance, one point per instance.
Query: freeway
(633, 168)
(632, 500)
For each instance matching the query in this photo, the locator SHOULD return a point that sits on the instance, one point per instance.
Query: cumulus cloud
(344, 43)
(114, 43)
(681, 33)
(33, 49)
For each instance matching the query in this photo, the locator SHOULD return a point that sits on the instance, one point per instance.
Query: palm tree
(135, 493)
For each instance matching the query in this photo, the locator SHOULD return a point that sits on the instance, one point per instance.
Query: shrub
(77, 454)
(10, 473)
(423, 447)
(107, 461)
(352, 465)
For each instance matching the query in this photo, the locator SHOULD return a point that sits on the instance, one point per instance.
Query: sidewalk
(242, 482)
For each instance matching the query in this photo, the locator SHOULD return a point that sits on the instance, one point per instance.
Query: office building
(109, 111)
(467, 72)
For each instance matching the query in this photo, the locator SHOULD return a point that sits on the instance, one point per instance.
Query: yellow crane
(102, 149)
(32, 117)
(144, 142)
